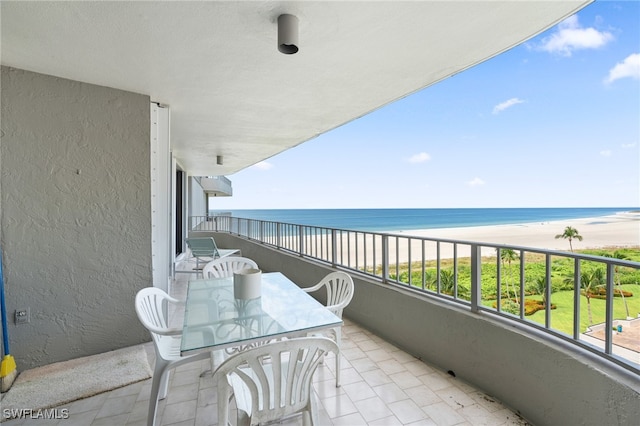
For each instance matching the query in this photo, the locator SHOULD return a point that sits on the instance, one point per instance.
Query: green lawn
(562, 316)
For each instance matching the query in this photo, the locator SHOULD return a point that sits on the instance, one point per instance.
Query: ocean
(409, 219)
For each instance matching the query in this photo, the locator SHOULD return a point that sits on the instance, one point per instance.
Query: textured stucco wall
(76, 224)
(545, 381)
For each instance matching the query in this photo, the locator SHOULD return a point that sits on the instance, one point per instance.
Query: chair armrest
(164, 331)
(314, 288)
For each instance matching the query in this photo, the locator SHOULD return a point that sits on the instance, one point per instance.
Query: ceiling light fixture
(288, 34)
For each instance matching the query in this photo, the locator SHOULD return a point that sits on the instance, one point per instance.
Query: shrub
(531, 306)
(601, 293)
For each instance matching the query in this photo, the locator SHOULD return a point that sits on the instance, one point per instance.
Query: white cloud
(570, 36)
(420, 158)
(606, 153)
(506, 104)
(263, 165)
(628, 145)
(630, 67)
(476, 182)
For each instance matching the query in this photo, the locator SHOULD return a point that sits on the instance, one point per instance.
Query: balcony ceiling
(231, 93)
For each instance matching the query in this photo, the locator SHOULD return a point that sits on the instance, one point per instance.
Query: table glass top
(215, 319)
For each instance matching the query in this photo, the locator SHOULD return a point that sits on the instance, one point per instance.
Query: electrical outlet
(23, 316)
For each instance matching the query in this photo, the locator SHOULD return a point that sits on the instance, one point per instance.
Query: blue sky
(554, 122)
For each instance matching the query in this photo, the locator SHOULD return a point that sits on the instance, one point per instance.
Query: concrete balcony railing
(216, 186)
(453, 304)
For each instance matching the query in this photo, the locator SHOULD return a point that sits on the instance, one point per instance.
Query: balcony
(412, 355)
(454, 324)
(381, 384)
(216, 186)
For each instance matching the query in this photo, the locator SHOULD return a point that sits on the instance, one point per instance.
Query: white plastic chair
(226, 266)
(271, 381)
(339, 286)
(151, 305)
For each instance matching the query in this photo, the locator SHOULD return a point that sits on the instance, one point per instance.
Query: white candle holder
(247, 283)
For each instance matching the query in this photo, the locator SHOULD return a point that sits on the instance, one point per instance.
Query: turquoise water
(407, 219)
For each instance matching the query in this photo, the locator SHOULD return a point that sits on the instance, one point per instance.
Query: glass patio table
(214, 319)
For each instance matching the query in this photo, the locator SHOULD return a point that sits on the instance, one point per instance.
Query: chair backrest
(151, 306)
(226, 266)
(339, 287)
(203, 247)
(273, 380)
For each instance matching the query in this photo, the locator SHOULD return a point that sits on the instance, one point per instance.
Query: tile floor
(381, 385)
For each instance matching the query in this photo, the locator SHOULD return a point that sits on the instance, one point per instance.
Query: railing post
(385, 258)
(301, 240)
(547, 303)
(476, 277)
(334, 247)
(576, 298)
(608, 342)
(278, 238)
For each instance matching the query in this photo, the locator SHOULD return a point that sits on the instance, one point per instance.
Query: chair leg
(164, 384)
(309, 416)
(338, 332)
(224, 396)
(156, 382)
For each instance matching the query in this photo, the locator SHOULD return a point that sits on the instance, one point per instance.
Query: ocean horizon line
(405, 219)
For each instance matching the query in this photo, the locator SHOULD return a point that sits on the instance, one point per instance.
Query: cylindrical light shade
(287, 34)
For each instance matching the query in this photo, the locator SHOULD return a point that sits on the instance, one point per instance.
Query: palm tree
(622, 256)
(570, 233)
(540, 287)
(508, 255)
(589, 282)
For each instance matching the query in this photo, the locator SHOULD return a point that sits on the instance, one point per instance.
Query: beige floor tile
(350, 375)
(373, 409)
(387, 421)
(354, 419)
(368, 345)
(181, 393)
(379, 355)
(363, 365)
(376, 377)
(435, 381)
(391, 366)
(328, 389)
(443, 415)
(423, 396)
(407, 411)
(116, 406)
(353, 353)
(358, 391)
(456, 398)
(405, 379)
(178, 412)
(390, 392)
(339, 406)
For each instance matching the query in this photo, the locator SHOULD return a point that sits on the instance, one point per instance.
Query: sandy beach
(619, 230)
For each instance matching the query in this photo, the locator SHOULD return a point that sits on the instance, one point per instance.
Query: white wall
(197, 198)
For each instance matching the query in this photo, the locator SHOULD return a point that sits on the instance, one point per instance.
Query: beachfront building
(113, 113)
